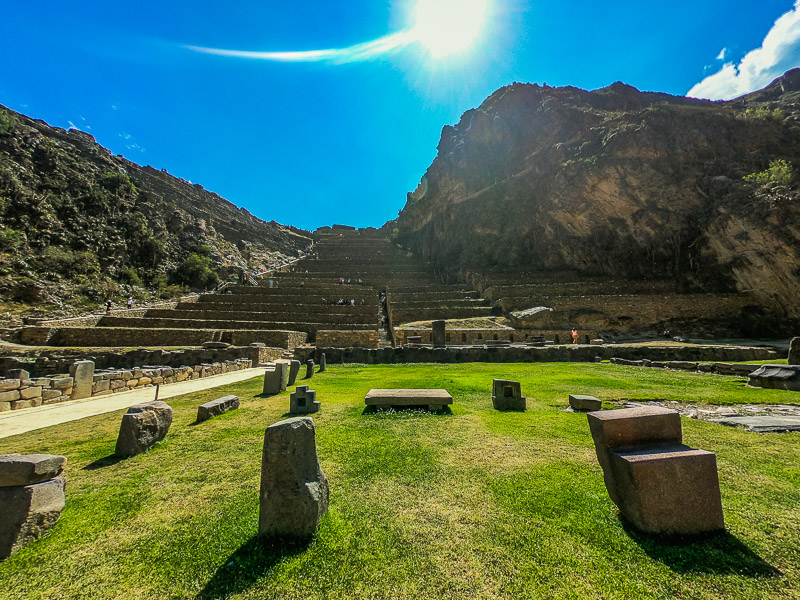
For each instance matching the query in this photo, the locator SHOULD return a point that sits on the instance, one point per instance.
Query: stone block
(507, 395)
(276, 378)
(309, 368)
(438, 334)
(29, 511)
(777, 377)
(581, 402)
(303, 401)
(216, 407)
(294, 371)
(142, 426)
(132, 383)
(116, 384)
(82, 373)
(5, 406)
(9, 396)
(671, 490)
(323, 364)
(30, 392)
(27, 469)
(294, 491)
(597, 342)
(9, 384)
(18, 374)
(50, 394)
(18, 404)
(61, 383)
(794, 351)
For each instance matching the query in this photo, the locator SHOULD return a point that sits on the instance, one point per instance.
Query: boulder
(507, 395)
(294, 490)
(142, 426)
(216, 407)
(777, 377)
(28, 512)
(27, 469)
(794, 351)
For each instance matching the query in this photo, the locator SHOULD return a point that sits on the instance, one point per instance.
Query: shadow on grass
(719, 554)
(106, 461)
(421, 410)
(249, 563)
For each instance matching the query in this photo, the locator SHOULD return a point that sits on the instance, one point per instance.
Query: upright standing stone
(276, 378)
(794, 352)
(31, 498)
(659, 484)
(439, 340)
(142, 426)
(507, 395)
(294, 371)
(82, 373)
(303, 401)
(309, 368)
(294, 490)
(322, 363)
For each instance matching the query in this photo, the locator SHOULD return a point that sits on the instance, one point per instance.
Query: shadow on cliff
(720, 554)
(249, 563)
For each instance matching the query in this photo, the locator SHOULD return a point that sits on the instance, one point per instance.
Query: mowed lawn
(471, 504)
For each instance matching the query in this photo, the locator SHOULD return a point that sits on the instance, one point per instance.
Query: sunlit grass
(471, 504)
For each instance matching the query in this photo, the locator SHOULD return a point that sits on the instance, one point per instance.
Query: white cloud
(721, 55)
(779, 52)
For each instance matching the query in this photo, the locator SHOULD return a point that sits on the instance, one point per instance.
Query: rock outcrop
(622, 184)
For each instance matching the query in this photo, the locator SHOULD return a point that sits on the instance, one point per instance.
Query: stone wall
(566, 353)
(460, 336)
(16, 394)
(347, 339)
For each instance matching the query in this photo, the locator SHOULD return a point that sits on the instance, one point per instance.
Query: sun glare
(448, 26)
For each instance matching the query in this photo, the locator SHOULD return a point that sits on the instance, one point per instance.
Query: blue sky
(316, 143)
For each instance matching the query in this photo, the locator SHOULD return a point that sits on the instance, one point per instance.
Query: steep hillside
(623, 184)
(78, 225)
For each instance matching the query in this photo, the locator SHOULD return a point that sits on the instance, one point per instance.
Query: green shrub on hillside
(11, 240)
(68, 262)
(196, 272)
(778, 173)
(130, 276)
(7, 121)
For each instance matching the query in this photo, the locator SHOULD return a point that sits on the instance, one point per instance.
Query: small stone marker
(435, 400)
(309, 368)
(777, 377)
(303, 401)
(82, 373)
(276, 378)
(438, 335)
(31, 497)
(294, 371)
(294, 490)
(659, 484)
(142, 426)
(507, 395)
(216, 407)
(580, 402)
(322, 363)
(794, 351)
(413, 339)
(763, 423)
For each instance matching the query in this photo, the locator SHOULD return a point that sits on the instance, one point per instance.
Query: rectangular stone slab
(217, 407)
(399, 397)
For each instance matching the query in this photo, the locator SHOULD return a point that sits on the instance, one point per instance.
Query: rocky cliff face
(77, 224)
(621, 183)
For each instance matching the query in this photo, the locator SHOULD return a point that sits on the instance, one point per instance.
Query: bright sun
(448, 26)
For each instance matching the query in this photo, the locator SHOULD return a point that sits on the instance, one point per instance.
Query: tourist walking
(130, 302)
(574, 336)
(109, 304)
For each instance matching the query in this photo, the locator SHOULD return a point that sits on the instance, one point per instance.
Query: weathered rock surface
(777, 377)
(294, 371)
(623, 184)
(142, 426)
(794, 352)
(217, 407)
(582, 402)
(82, 373)
(294, 490)
(309, 368)
(27, 469)
(28, 512)
(303, 401)
(507, 395)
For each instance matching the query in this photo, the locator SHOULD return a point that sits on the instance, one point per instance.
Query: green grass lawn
(473, 504)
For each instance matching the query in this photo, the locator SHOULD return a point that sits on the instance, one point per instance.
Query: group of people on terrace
(343, 302)
(348, 281)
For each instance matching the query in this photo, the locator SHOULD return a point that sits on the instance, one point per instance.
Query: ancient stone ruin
(294, 490)
(507, 395)
(31, 498)
(217, 407)
(323, 364)
(794, 352)
(580, 402)
(294, 371)
(276, 378)
(309, 368)
(433, 399)
(142, 426)
(659, 484)
(777, 377)
(303, 401)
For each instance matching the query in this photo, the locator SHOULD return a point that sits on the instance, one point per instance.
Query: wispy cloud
(721, 55)
(336, 55)
(779, 52)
